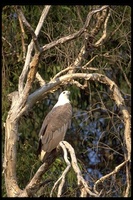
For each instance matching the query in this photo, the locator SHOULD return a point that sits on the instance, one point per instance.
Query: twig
(88, 63)
(31, 30)
(34, 184)
(62, 177)
(78, 60)
(80, 180)
(108, 175)
(74, 35)
(79, 85)
(72, 66)
(22, 36)
(100, 41)
(89, 37)
(40, 79)
(3, 38)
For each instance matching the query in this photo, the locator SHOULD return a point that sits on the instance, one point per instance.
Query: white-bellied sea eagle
(55, 125)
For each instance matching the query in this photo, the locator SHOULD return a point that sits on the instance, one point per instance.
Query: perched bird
(55, 125)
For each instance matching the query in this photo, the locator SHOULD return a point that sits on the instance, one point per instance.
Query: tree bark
(10, 157)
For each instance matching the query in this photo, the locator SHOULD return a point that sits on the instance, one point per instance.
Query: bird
(55, 125)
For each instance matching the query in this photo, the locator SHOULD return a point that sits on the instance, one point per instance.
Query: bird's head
(63, 98)
(64, 95)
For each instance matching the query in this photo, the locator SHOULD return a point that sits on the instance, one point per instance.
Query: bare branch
(100, 19)
(31, 75)
(62, 177)
(100, 41)
(74, 35)
(78, 60)
(90, 35)
(22, 36)
(30, 78)
(127, 192)
(95, 77)
(34, 185)
(79, 85)
(40, 79)
(117, 168)
(71, 67)
(81, 181)
(124, 74)
(30, 49)
(3, 38)
(89, 39)
(31, 30)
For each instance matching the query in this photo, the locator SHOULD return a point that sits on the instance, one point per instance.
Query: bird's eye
(64, 92)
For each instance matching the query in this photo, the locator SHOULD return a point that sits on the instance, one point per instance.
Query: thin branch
(52, 44)
(84, 67)
(31, 76)
(117, 168)
(100, 41)
(78, 60)
(35, 183)
(22, 36)
(100, 19)
(88, 63)
(40, 79)
(91, 35)
(62, 177)
(74, 35)
(65, 171)
(127, 192)
(124, 74)
(31, 30)
(80, 180)
(30, 49)
(79, 85)
(3, 38)
(89, 39)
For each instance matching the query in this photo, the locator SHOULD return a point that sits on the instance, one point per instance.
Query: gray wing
(55, 126)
